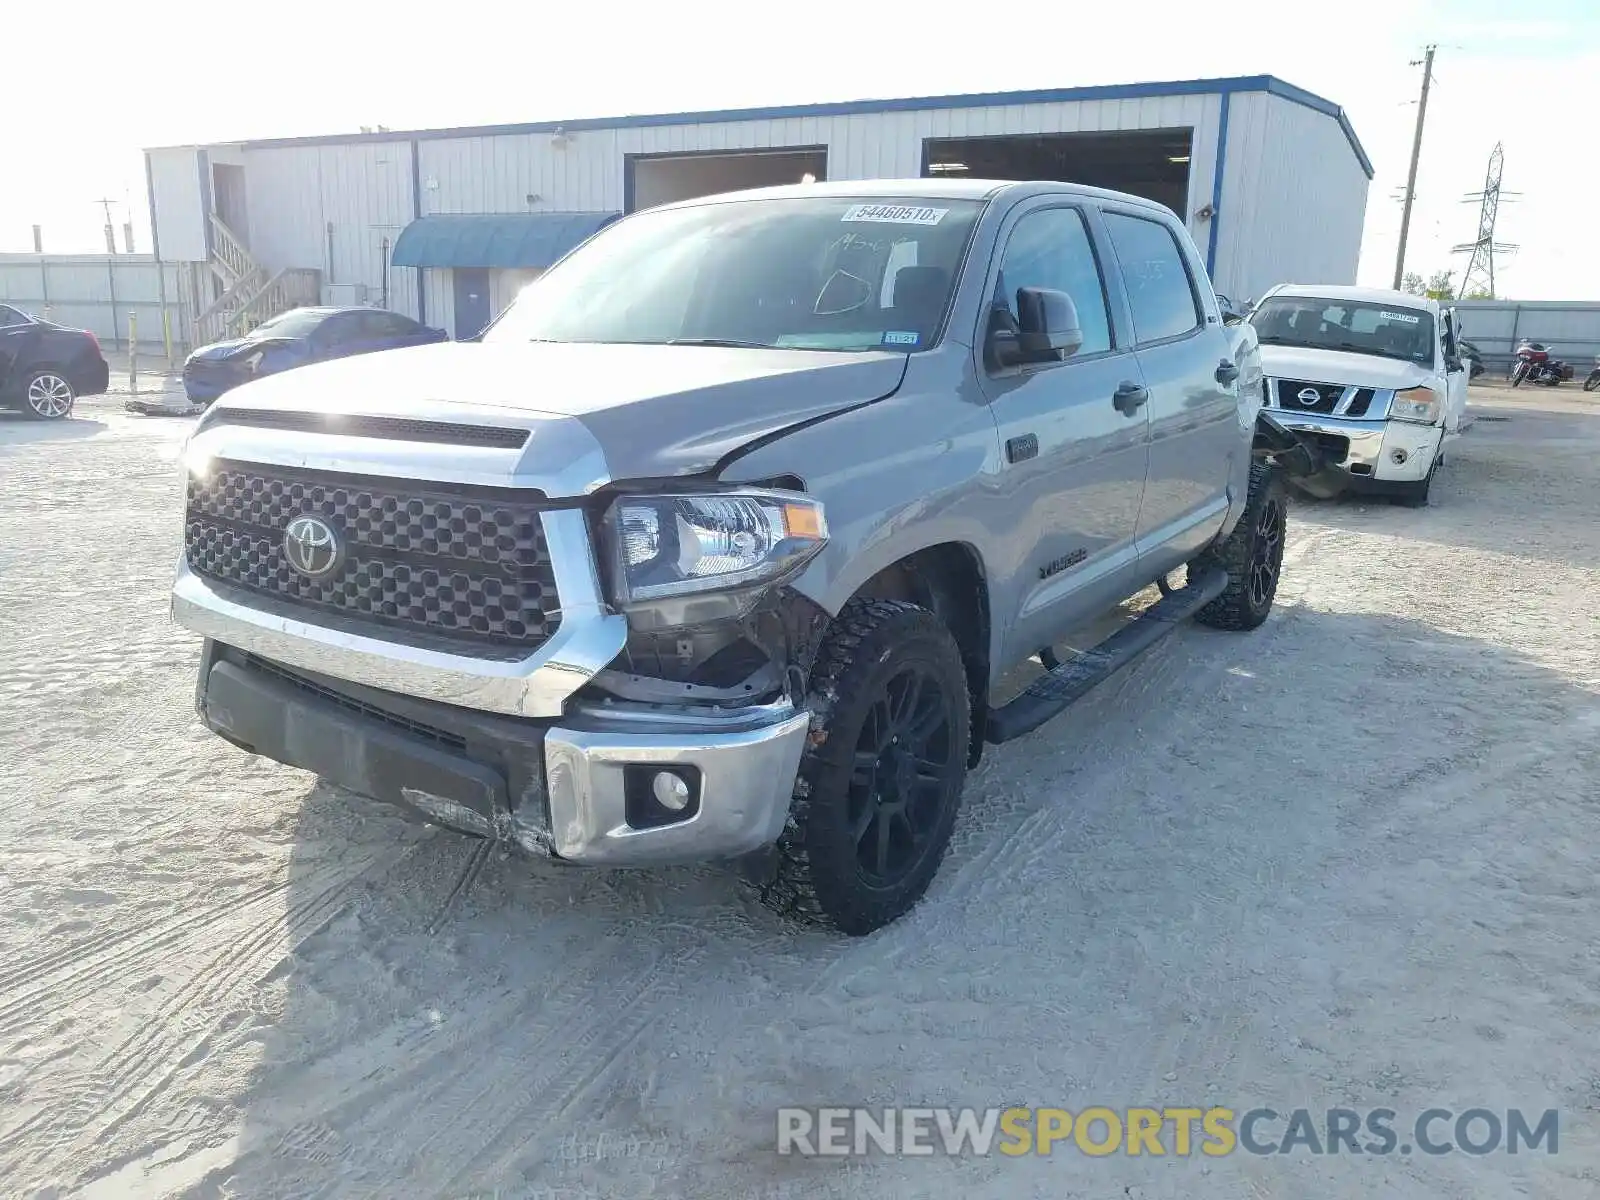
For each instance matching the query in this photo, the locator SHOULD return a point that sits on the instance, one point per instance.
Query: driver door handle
(1227, 372)
(1130, 398)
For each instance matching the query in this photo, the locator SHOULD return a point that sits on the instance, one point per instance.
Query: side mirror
(1047, 330)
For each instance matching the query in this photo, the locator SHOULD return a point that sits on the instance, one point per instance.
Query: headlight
(1420, 404)
(682, 545)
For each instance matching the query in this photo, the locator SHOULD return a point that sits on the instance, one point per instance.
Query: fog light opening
(670, 792)
(654, 796)
(1399, 456)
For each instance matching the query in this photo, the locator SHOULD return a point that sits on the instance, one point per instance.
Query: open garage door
(1152, 163)
(654, 179)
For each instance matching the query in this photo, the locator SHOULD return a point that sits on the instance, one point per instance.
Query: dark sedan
(45, 367)
(297, 337)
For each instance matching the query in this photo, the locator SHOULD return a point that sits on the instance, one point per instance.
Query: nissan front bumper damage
(610, 785)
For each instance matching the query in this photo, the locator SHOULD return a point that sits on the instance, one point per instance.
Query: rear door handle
(1130, 398)
(1227, 372)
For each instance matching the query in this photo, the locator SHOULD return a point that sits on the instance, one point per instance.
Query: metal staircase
(250, 292)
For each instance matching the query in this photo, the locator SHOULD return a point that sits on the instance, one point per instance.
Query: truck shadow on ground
(1480, 497)
(1164, 884)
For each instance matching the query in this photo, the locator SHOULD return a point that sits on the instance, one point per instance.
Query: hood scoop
(394, 429)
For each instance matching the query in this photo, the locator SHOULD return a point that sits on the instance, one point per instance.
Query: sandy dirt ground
(1347, 860)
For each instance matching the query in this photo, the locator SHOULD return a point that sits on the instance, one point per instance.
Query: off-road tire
(1255, 542)
(817, 875)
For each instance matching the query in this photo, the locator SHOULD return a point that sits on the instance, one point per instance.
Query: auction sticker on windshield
(894, 214)
(1408, 318)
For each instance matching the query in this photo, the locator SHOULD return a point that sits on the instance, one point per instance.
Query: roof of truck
(923, 189)
(1361, 295)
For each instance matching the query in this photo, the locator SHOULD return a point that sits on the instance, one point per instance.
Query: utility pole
(1411, 176)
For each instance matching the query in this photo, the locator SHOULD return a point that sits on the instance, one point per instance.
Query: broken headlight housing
(1419, 404)
(670, 546)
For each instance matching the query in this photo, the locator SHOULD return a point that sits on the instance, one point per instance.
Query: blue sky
(181, 71)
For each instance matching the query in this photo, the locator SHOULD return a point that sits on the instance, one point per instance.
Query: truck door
(1194, 407)
(1456, 375)
(1072, 440)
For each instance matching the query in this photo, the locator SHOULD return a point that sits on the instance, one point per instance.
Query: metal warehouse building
(446, 224)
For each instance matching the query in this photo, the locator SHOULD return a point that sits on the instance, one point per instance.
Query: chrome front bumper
(1374, 446)
(746, 765)
(576, 789)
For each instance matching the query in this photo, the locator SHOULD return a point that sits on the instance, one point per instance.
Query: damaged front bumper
(583, 788)
(1357, 451)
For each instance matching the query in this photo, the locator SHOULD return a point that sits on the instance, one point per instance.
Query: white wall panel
(1294, 199)
(180, 215)
(363, 191)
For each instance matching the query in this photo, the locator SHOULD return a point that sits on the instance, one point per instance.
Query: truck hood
(655, 411)
(1340, 366)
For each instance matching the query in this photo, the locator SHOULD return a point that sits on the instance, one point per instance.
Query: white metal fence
(99, 292)
(1570, 328)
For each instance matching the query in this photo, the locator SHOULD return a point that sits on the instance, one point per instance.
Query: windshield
(1391, 331)
(808, 273)
(296, 323)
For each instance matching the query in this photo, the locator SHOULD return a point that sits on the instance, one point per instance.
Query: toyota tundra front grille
(467, 565)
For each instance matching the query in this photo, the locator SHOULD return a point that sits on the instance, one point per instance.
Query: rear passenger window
(1160, 291)
(1050, 248)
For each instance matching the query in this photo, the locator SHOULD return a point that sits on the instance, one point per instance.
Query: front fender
(894, 478)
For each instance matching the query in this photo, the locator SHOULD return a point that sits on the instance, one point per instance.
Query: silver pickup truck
(715, 544)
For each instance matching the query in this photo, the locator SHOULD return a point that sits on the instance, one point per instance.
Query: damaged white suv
(1374, 377)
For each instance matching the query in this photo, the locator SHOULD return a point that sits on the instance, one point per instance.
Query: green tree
(1413, 283)
(1441, 286)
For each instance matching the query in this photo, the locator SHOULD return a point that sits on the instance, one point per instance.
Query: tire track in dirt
(100, 1099)
(451, 1100)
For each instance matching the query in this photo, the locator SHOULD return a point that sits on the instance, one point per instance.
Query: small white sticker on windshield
(1407, 318)
(894, 214)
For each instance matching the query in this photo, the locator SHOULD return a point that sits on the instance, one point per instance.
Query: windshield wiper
(734, 343)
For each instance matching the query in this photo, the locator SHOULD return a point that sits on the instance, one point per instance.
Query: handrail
(230, 249)
(254, 298)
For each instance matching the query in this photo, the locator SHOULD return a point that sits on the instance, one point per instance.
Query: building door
(229, 190)
(471, 301)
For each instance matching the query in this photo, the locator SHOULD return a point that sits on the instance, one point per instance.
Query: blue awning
(494, 239)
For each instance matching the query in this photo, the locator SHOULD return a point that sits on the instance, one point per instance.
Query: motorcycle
(1472, 357)
(1533, 364)
(1592, 383)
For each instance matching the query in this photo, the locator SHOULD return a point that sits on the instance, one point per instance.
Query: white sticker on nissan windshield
(894, 214)
(1408, 319)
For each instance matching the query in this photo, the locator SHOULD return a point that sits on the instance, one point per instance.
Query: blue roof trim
(851, 108)
(494, 239)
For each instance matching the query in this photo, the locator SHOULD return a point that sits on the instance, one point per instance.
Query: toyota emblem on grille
(311, 547)
(1308, 396)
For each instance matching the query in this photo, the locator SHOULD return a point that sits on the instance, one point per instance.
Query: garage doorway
(1153, 163)
(652, 179)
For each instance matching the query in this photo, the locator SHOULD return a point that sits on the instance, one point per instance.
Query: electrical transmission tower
(1480, 268)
